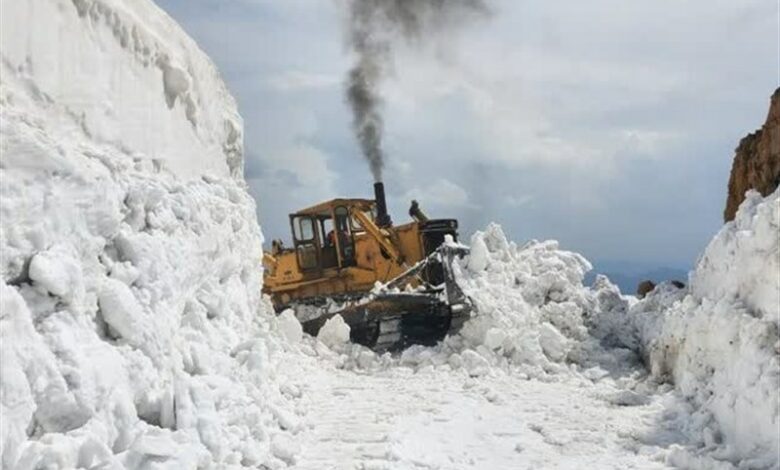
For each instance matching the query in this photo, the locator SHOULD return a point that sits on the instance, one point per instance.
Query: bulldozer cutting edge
(393, 285)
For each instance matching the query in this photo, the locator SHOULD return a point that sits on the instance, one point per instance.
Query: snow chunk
(334, 333)
(475, 364)
(494, 338)
(121, 310)
(285, 447)
(553, 343)
(58, 273)
(479, 255)
(289, 326)
(125, 272)
(627, 398)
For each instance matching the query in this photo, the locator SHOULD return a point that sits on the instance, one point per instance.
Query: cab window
(306, 247)
(345, 240)
(327, 235)
(304, 228)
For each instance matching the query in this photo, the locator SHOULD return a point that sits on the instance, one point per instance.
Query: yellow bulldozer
(393, 285)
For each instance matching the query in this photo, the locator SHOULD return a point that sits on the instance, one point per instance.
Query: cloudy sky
(608, 125)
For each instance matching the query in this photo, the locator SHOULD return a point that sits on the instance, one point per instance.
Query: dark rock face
(644, 288)
(756, 162)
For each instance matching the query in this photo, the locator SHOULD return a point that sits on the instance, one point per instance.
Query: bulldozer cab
(324, 235)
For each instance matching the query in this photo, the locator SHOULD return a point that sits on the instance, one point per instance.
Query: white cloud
(296, 80)
(292, 178)
(574, 86)
(519, 201)
(288, 170)
(440, 193)
(308, 163)
(646, 143)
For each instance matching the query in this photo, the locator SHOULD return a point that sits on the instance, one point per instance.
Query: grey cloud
(585, 75)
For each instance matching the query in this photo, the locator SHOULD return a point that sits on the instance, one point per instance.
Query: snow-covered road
(433, 419)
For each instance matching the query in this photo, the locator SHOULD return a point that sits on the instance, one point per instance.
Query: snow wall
(719, 341)
(133, 329)
(128, 76)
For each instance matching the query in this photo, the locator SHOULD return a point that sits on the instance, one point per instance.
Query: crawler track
(390, 320)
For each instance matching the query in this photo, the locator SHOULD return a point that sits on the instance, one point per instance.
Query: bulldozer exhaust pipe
(382, 217)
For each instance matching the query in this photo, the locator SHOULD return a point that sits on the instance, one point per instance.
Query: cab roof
(325, 207)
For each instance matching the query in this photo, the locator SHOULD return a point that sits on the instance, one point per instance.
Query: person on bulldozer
(343, 238)
(416, 213)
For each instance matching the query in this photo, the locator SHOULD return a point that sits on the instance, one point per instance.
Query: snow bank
(125, 74)
(533, 314)
(529, 300)
(716, 341)
(719, 342)
(743, 260)
(133, 329)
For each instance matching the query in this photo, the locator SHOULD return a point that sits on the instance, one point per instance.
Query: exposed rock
(644, 288)
(756, 162)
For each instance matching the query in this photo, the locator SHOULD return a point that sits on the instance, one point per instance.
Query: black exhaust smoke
(374, 29)
(382, 217)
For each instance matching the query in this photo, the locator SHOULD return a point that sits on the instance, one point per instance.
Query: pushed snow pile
(531, 306)
(529, 299)
(532, 316)
(133, 333)
(719, 343)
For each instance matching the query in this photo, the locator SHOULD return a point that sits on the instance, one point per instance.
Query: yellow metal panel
(402, 244)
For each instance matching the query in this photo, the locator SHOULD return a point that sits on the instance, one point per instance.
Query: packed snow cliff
(133, 329)
(718, 342)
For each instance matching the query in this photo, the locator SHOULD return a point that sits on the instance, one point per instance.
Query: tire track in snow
(397, 419)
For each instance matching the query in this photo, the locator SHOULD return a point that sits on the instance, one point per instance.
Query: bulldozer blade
(390, 320)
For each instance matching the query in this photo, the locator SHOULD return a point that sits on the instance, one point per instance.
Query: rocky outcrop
(757, 161)
(644, 288)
